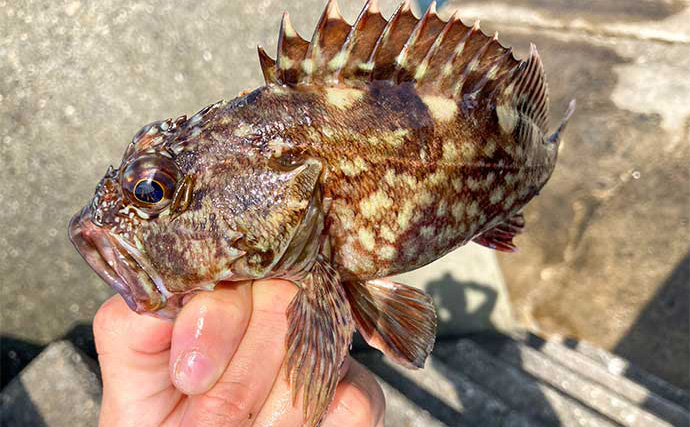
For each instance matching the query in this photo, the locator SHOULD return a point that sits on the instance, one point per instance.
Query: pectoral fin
(397, 319)
(318, 340)
(501, 236)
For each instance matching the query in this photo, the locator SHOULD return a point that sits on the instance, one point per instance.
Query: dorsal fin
(442, 58)
(418, 44)
(268, 66)
(326, 42)
(291, 51)
(360, 43)
(391, 42)
(530, 93)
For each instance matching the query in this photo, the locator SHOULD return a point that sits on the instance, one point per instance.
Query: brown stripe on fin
(356, 51)
(493, 74)
(417, 46)
(391, 42)
(397, 319)
(328, 38)
(530, 94)
(319, 335)
(501, 236)
(440, 52)
(268, 66)
(291, 51)
(472, 66)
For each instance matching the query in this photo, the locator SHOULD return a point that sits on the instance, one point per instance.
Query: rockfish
(372, 150)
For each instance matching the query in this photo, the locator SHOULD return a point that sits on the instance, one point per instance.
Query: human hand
(219, 364)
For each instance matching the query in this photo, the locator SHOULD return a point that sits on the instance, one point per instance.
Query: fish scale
(372, 149)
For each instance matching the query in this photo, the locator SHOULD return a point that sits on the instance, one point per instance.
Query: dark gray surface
(515, 387)
(60, 388)
(493, 379)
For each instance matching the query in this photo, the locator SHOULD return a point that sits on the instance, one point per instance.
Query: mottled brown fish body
(435, 175)
(372, 150)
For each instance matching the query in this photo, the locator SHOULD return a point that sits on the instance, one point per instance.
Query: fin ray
(291, 51)
(397, 319)
(268, 66)
(329, 36)
(501, 236)
(391, 42)
(319, 335)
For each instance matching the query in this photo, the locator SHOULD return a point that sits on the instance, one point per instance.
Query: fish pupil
(149, 191)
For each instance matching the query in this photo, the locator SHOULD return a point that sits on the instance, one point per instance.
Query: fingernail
(194, 372)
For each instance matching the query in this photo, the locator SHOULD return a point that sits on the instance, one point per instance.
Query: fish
(371, 150)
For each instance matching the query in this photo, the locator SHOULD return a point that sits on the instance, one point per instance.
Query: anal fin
(318, 339)
(501, 236)
(397, 319)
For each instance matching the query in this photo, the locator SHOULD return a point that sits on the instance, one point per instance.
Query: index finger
(133, 351)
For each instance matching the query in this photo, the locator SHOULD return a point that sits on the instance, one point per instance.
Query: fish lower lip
(115, 264)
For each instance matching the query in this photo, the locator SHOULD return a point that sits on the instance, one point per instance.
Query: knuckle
(273, 296)
(358, 407)
(107, 321)
(226, 404)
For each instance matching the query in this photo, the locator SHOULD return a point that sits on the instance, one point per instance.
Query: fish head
(139, 232)
(193, 203)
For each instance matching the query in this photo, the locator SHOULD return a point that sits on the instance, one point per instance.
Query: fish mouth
(122, 266)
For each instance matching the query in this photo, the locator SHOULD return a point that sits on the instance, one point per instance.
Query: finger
(358, 400)
(207, 332)
(278, 410)
(242, 389)
(133, 352)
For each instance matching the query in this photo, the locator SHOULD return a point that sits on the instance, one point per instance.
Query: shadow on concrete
(16, 353)
(453, 305)
(659, 340)
(17, 410)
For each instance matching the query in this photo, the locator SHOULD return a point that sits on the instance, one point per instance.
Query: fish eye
(149, 182)
(149, 190)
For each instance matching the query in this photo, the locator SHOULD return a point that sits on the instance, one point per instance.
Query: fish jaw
(122, 266)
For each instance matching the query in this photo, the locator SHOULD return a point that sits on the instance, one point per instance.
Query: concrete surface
(60, 388)
(603, 242)
(605, 252)
(491, 379)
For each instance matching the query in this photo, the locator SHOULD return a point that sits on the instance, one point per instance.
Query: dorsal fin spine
(291, 50)
(492, 72)
(447, 69)
(401, 59)
(471, 66)
(436, 46)
(387, 31)
(370, 7)
(268, 66)
(313, 58)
